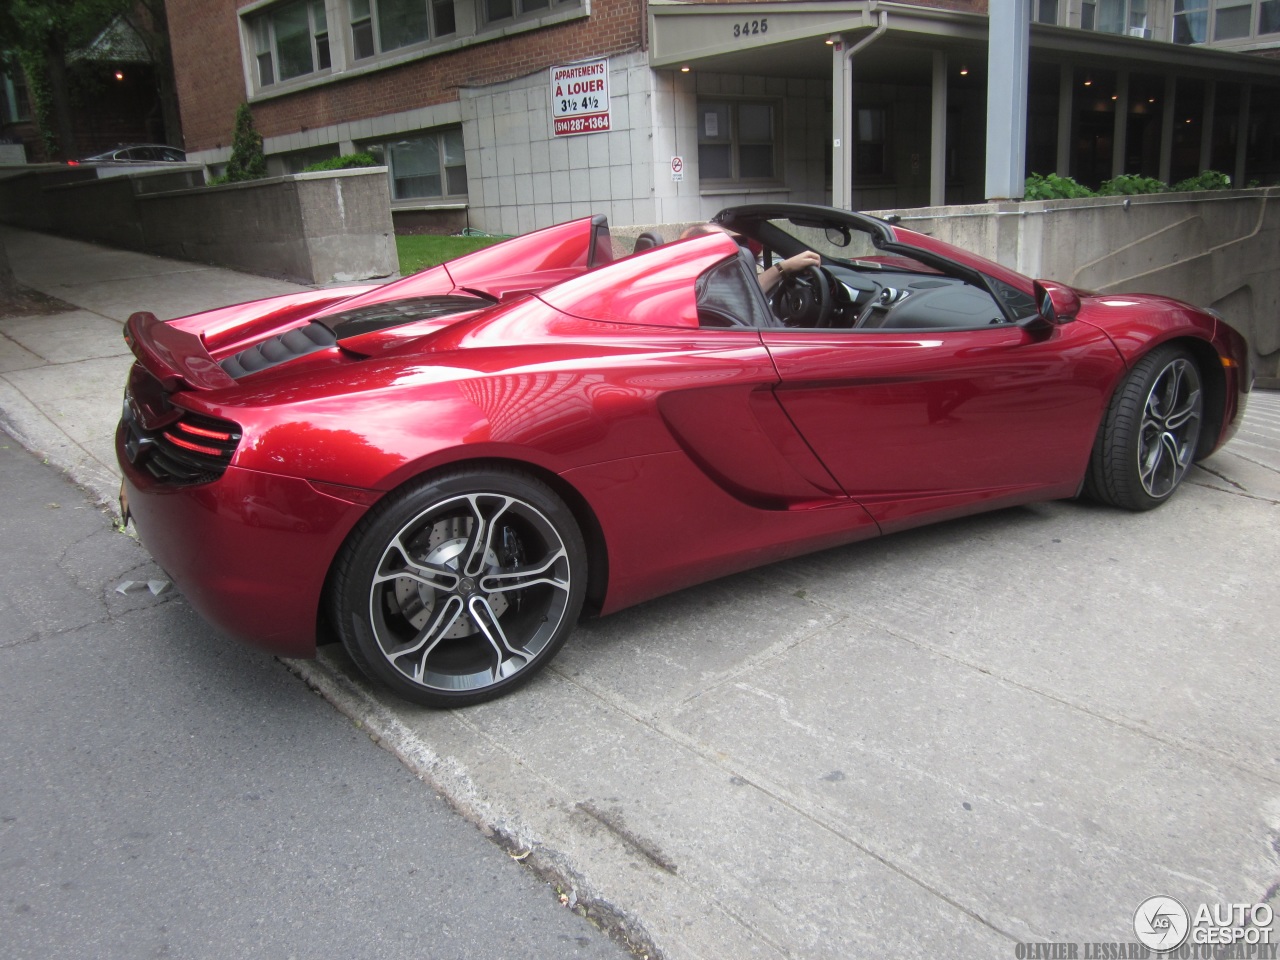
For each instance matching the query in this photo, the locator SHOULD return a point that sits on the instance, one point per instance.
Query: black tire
(459, 589)
(1150, 432)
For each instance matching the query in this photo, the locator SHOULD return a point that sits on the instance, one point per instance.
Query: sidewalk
(62, 375)
(1012, 728)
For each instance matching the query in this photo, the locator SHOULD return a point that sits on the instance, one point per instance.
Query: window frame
(430, 9)
(462, 18)
(518, 11)
(382, 149)
(1090, 11)
(735, 144)
(1210, 9)
(263, 42)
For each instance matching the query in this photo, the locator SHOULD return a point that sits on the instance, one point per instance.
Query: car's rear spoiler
(175, 357)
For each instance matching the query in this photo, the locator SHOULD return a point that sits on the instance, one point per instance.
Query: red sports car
(448, 470)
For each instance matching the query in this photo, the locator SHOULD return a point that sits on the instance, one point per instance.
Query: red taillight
(204, 432)
(193, 447)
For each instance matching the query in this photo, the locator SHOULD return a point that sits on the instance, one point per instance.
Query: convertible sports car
(448, 470)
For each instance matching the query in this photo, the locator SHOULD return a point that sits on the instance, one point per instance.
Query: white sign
(677, 169)
(580, 98)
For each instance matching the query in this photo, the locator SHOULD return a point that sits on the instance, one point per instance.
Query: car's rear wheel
(459, 589)
(1150, 433)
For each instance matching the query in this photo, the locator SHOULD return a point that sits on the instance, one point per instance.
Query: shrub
(1205, 180)
(344, 162)
(1050, 186)
(1131, 184)
(247, 160)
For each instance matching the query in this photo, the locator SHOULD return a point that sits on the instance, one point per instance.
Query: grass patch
(426, 250)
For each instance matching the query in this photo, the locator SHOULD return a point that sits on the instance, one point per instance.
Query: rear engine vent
(279, 349)
(395, 313)
(189, 450)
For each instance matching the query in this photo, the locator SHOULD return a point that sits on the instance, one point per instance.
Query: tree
(42, 33)
(247, 160)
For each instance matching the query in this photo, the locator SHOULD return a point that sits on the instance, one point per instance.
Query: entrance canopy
(1099, 104)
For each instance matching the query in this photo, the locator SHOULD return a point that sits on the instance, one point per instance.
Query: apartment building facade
(507, 115)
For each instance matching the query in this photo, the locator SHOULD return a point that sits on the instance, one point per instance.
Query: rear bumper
(250, 551)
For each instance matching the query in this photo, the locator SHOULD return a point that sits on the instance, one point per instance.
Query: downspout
(842, 121)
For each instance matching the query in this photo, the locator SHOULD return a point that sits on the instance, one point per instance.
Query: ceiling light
(684, 69)
(964, 71)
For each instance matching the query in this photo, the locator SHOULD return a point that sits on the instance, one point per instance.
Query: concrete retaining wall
(333, 226)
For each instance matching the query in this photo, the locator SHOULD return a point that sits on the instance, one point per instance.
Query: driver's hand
(784, 268)
(801, 261)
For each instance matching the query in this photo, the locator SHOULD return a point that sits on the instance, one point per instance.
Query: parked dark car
(137, 153)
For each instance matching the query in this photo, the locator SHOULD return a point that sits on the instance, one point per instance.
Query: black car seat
(647, 241)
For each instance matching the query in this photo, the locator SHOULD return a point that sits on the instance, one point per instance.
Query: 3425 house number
(751, 28)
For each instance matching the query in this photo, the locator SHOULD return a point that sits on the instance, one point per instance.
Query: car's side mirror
(1056, 302)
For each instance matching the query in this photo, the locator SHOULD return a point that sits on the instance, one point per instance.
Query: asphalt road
(168, 793)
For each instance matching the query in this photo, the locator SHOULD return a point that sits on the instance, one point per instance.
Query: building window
(15, 104)
(291, 40)
(1045, 11)
(737, 140)
(871, 153)
(1190, 21)
(428, 166)
(1127, 17)
(1204, 21)
(1269, 17)
(380, 26)
(1231, 22)
(496, 11)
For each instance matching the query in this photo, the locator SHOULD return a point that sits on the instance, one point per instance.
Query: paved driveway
(1011, 728)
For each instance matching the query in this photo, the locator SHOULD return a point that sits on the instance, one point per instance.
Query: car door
(923, 424)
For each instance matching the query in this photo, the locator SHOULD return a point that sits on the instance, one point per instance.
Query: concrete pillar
(1120, 128)
(842, 129)
(1066, 107)
(1242, 136)
(1206, 127)
(1008, 54)
(938, 133)
(1166, 126)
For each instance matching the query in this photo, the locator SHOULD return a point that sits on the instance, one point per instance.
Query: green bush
(344, 162)
(1050, 186)
(1205, 180)
(247, 160)
(1131, 184)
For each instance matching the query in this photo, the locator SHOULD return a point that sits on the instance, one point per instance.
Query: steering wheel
(804, 299)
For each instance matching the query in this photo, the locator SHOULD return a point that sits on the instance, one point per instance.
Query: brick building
(759, 101)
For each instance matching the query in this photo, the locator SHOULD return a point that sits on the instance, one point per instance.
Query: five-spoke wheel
(458, 590)
(1151, 431)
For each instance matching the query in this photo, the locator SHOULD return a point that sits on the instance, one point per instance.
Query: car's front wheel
(461, 588)
(1150, 433)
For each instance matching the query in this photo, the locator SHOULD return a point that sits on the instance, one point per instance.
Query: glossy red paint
(918, 425)
(696, 451)
(250, 552)
(644, 290)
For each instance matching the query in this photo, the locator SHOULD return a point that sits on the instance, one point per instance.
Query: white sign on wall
(677, 169)
(580, 97)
